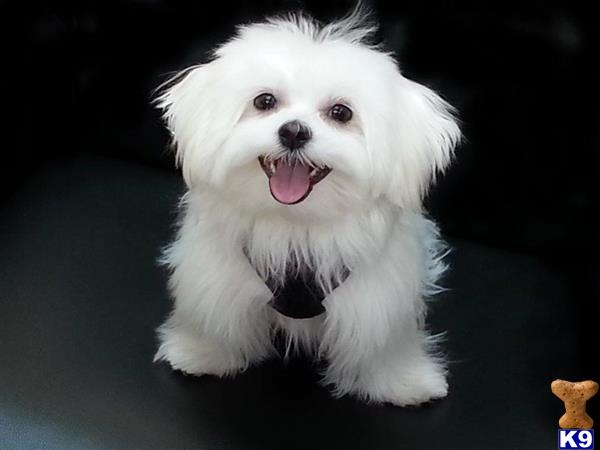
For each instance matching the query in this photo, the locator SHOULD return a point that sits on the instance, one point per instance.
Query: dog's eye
(265, 101)
(340, 113)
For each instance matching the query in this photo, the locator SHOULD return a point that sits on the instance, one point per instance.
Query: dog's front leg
(373, 341)
(219, 325)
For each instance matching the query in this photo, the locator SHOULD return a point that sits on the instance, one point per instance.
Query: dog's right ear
(175, 100)
(183, 102)
(196, 117)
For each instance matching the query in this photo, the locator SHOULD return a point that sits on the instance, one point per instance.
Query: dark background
(88, 194)
(523, 76)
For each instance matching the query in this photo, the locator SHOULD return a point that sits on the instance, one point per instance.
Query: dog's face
(294, 118)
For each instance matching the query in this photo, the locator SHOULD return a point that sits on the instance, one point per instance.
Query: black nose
(294, 134)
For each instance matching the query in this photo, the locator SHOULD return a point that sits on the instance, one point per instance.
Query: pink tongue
(290, 184)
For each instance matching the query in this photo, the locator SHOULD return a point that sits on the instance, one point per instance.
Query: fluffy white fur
(366, 215)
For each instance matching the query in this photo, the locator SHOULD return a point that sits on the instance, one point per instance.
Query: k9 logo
(576, 439)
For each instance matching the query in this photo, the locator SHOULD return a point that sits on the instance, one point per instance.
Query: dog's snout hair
(294, 134)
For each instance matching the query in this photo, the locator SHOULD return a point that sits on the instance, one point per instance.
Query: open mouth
(290, 181)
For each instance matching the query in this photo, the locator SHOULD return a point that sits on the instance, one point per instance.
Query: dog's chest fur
(302, 265)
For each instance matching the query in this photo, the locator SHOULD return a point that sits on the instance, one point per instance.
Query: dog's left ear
(424, 134)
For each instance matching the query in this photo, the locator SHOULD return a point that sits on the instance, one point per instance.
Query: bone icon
(575, 395)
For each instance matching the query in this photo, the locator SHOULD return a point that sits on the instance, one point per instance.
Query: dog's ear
(424, 134)
(197, 118)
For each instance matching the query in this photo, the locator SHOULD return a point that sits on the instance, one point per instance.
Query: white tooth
(272, 166)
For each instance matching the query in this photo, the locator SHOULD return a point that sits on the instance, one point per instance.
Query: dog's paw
(405, 385)
(408, 392)
(195, 355)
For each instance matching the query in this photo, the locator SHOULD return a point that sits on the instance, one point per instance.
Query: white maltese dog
(306, 155)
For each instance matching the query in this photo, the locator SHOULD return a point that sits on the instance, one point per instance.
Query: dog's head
(294, 116)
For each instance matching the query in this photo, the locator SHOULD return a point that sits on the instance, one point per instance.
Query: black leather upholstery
(82, 294)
